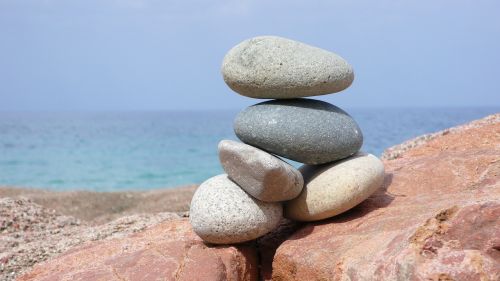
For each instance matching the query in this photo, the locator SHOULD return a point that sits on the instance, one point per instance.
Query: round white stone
(222, 213)
(271, 67)
(262, 175)
(334, 188)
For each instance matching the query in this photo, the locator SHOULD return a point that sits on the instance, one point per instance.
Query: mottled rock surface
(222, 213)
(437, 217)
(270, 67)
(30, 233)
(332, 189)
(398, 150)
(167, 251)
(260, 174)
(305, 130)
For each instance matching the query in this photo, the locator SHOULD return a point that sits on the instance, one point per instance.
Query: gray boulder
(270, 67)
(305, 130)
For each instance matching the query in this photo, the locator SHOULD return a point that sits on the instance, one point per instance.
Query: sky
(65, 55)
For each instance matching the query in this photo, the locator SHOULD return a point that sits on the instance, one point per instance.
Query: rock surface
(260, 174)
(30, 233)
(332, 189)
(167, 251)
(305, 130)
(437, 217)
(270, 67)
(398, 150)
(222, 213)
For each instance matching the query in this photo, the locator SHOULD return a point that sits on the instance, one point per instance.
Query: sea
(117, 151)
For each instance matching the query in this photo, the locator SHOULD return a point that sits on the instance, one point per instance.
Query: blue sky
(162, 55)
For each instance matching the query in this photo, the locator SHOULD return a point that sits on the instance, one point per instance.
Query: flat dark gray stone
(304, 130)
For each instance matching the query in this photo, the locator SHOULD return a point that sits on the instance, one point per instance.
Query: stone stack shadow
(259, 188)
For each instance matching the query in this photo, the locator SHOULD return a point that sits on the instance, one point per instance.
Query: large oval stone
(260, 174)
(222, 213)
(270, 67)
(305, 130)
(335, 188)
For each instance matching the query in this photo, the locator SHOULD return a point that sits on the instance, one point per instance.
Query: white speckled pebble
(222, 213)
(262, 175)
(271, 67)
(332, 189)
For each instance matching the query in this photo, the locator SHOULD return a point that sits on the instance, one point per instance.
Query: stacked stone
(259, 187)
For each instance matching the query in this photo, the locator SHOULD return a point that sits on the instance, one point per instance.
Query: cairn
(259, 188)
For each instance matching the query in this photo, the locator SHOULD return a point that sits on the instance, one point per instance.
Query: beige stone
(332, 189)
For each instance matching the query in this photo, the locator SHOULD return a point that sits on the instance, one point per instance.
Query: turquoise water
(146, 150)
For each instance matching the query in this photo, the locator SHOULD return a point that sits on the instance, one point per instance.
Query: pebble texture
(335, 188)
(270, 67)
(262, 175)
(222, 213)
(305, 130)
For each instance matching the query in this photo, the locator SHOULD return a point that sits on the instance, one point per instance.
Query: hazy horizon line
(238, 109)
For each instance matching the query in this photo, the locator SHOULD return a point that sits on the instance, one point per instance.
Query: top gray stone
(270, 67)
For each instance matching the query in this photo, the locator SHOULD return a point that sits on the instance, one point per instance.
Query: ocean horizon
(142, 150)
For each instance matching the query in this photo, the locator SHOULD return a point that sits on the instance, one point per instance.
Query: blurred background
(127, 95)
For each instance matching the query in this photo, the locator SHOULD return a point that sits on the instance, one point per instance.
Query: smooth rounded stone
(222, 213)
(262, 175)
(270, 67)
(334, 188)
(305, 130)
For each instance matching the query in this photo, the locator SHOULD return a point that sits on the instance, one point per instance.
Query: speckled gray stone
(222, 213)
(270, 67)
(305, 130)
(262, 175)
(332, 189)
